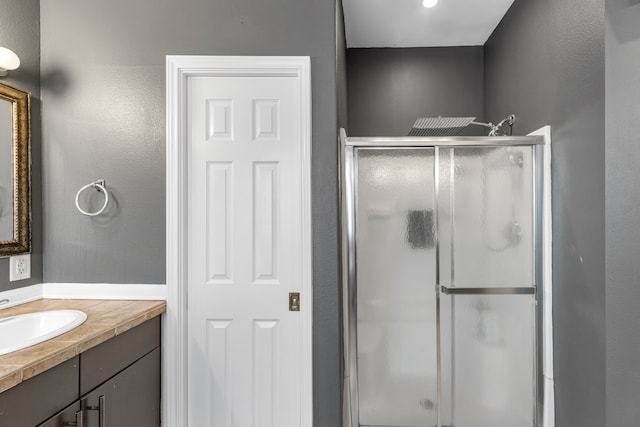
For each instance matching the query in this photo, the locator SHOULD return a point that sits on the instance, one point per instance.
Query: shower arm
(495, 129)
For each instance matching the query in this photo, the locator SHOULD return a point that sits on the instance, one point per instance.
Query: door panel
(492, 217)
(65, 418)
(396, 294)
(245, 251)
(489, 343)
(34, 400)
(486, 229)
(130, 399)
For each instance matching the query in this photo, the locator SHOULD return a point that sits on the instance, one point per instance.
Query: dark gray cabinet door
(130, 399)
(35, 400)
(104, 361)
(65, 418)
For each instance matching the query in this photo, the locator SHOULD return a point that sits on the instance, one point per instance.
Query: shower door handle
(511, 290)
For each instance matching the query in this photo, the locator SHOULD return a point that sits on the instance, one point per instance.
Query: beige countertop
(105, 319)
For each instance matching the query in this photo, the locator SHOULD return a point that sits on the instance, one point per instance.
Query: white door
(246, 219)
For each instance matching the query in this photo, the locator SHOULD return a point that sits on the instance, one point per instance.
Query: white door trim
(178, 70)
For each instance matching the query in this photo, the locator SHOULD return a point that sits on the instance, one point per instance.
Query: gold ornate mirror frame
(21, 151)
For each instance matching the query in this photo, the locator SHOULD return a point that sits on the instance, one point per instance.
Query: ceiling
(406, 23)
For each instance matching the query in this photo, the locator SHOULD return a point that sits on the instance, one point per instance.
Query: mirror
(15, 171)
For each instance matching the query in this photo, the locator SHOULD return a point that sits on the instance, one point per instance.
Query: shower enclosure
(443, 281)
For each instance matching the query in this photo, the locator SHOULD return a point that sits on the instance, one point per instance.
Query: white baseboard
(110, 291)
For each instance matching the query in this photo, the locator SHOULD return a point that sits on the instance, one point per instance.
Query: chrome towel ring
(100, 186)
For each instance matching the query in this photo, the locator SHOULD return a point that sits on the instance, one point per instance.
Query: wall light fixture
(429, 3)
(8, 61)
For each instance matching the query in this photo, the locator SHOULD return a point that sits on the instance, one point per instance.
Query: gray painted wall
(341, 68)
(343, 122)
(20, 32)
(104, 117)
(545, 63)
(623, 221)
(390, 88)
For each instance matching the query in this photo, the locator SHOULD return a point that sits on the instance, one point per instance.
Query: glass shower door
(396, 299)
(487, 271)
(443, 249)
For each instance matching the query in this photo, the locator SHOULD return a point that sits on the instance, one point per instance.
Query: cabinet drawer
(33, 401)
(107, 359)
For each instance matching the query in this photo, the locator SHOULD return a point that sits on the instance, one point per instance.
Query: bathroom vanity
(104, 373)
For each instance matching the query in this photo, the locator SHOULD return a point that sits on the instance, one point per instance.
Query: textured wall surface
(103, 92)
(20, 32)
(545, 63)
(341, 68)
(390, 88)
(343, 122)
(623, 212)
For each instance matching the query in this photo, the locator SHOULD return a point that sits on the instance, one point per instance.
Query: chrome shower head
(451, 126)
(440, 126)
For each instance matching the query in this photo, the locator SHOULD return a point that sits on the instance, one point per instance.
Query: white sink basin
(25, 330)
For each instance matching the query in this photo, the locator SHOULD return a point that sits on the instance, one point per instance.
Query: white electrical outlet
(19, 267)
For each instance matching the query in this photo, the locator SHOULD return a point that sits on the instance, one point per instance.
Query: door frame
(179, 69)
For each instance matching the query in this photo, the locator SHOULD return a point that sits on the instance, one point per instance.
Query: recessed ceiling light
(429, 3)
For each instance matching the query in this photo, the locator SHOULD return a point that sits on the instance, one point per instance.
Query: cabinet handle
(101, 411)
(77, 423)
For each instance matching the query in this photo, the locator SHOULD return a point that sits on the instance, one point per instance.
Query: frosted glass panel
(488, 380)
(396, 322)
(493, 217)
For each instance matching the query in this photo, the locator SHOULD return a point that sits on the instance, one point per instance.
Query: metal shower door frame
(349, 184)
